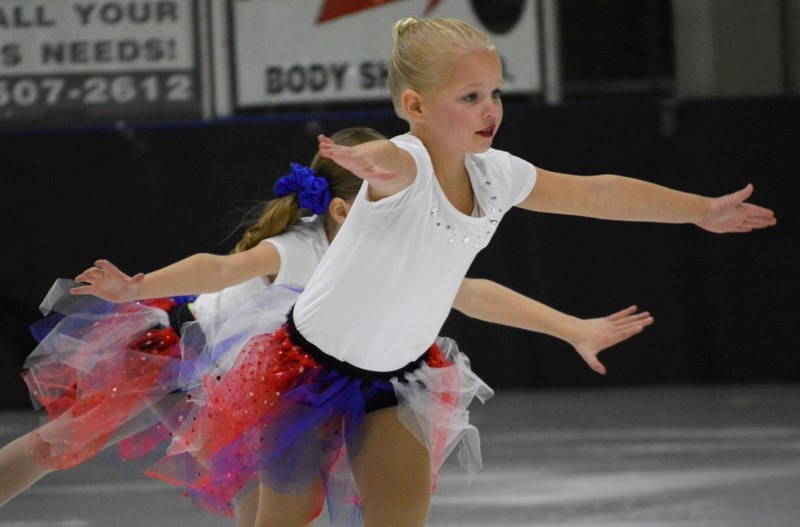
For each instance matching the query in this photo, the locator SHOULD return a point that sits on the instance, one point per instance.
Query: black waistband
(179, 316)
(343, 367)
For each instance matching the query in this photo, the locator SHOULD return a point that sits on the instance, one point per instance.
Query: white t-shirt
(300, 247)
(386, 285)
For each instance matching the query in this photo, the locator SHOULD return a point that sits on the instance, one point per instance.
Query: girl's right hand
(106, 281)
(352, 159)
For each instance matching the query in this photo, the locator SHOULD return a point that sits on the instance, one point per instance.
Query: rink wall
(726, 307)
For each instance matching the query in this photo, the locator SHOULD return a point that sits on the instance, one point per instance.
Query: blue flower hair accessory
(312, 190)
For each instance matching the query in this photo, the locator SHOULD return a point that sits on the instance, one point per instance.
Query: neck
(448, 166)
(447, 163)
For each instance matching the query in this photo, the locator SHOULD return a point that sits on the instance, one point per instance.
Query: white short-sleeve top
(300, 247)
(386, 285)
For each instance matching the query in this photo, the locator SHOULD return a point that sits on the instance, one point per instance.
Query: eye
(496, 94)
(472, 97)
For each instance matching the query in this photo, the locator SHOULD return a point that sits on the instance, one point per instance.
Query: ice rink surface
(678, 456)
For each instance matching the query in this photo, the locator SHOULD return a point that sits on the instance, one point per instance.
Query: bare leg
(19, 460)
(246, 508)
(20, 466)
(285, 510)
(393, 473)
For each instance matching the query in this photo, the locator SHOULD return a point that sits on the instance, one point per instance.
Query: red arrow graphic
(333, 9)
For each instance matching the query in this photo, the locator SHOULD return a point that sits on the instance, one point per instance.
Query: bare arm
(387, 168)
(491, 302)
(620, 198)
(199, 273)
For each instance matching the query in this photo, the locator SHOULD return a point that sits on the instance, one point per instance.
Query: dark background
(725, 305)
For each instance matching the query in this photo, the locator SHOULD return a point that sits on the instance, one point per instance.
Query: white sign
(330, 50)
(84, 36)
(79, 61)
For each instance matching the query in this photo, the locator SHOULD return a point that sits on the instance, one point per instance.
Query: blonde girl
(433, 198)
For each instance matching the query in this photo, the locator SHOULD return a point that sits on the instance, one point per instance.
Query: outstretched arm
(614, 197)
(199, 273)
(491, 302)
(387, 168)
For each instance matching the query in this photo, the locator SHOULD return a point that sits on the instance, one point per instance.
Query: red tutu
(283, 419)
(99, 367)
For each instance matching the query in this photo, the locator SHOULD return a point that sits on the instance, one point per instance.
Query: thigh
(287, 510)
(392, 470)
(246, 507)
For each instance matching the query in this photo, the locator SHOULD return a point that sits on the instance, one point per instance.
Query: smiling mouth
(487, 132)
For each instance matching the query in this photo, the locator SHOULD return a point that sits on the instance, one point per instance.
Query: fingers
(590, 358)
(102, 270)
(81, 290)
(758, 217)
(325, 144)
(90, 275)
(597, 366)
(105, 264)
(744, 193)
(629, 316)
(635, 324)
(623, 313)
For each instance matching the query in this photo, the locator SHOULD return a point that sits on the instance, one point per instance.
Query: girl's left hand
(730, 213)
(591, 336)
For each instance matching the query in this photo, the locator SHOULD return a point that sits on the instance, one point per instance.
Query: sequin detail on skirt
(281, 418)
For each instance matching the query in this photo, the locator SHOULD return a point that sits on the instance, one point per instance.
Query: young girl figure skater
(354, 378)
(124, 388)
(433, 199)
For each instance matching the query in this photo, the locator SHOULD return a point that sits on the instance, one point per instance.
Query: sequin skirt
(281, 418)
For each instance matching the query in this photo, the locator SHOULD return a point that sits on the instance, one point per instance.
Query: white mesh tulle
(217, 339)
(433, 402)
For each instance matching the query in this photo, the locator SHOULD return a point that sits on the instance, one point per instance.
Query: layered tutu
(281, 417)
(210, 345)
(119, 373)
(97, 366)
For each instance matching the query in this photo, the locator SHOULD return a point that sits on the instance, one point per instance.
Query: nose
(490, 110)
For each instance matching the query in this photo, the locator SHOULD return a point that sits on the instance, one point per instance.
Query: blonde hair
(279, 214)
(424, 47)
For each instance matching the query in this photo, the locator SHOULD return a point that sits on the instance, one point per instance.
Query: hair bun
(404, 25)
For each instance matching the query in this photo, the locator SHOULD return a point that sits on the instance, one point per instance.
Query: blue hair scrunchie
(312, 190)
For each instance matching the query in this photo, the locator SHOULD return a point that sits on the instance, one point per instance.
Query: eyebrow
(478, 85)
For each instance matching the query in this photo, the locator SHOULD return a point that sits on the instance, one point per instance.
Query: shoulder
(499, 169)
(408, 142)
(416, 149)
(494, 159)
(309, 230)
(301, 244)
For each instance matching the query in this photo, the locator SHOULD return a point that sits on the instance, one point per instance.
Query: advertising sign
(72, 62)
(309, 51)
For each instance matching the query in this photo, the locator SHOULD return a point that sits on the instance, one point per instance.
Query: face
(464, 112)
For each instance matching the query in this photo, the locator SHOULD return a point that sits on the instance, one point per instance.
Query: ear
(412, 105)
(338, 210)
